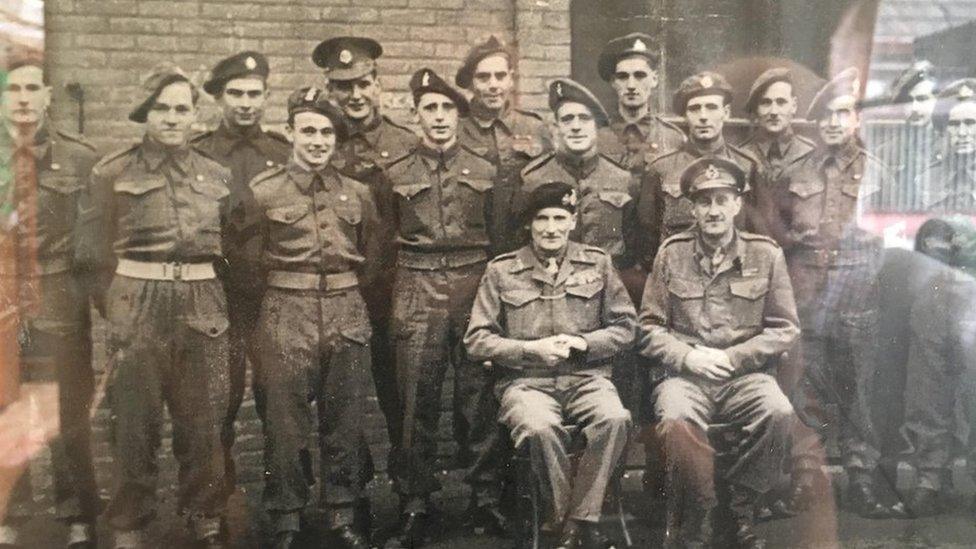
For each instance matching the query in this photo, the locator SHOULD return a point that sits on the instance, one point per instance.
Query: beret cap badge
(425, 80)
(639, 45)
(569, 199)
(250, 63)
(965, 92)
(706, 82)
(345, 57)
(712, 172)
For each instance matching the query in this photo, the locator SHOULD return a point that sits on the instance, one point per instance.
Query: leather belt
(147, 270)
(436, 261)
(830, 258)
(290, 280)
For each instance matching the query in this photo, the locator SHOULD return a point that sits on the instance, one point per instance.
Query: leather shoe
(924, 502)
(215, 541)
(593, 538)
(488, 520)
(285, 540)
(572, 536)
(413, 530)
(348, 538)
(746, 537)
(808, 488)
(81, 535)
(863, 501)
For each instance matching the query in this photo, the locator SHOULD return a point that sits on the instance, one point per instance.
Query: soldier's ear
(727, 108)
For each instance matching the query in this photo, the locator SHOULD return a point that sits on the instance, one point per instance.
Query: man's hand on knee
(709, 363)
(550, 350)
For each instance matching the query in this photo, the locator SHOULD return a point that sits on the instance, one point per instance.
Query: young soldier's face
(493, 82)
(550, 230)
(715, 211)
(961, 128)
(921, 103)
(438, 117)
(838, 125)
(634, 80)
(242, 101)
(706, 116)
(25, 97)
(576, 127)
(358, 98)
(313, 138)
(776, 108)
(170, 117)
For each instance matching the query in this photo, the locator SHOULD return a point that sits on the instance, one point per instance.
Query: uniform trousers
(535, 410)
(314, 346)
(168, 345)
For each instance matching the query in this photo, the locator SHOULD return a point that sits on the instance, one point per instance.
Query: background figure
(44, 181)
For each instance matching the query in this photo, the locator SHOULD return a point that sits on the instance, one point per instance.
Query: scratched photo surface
(487, 273)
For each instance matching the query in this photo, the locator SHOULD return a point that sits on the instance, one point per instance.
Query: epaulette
(613, 161)
(400, 159)
(744, 153)
(75, 138)
(757, 238)
(503, 257)
(805, 140)
(397, 126)
(530, 114)
(266, 175)
(276, 136)
(680, 237)
(201, 151)
(200, 136)
(671, 125)
(654, 157)
(538, 162)
(116, 155)
(595, 249)
(472, 151)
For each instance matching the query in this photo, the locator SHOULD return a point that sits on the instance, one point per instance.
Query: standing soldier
(321, 233)
(717, 313)
(833, 265)
(496, 130)
(443, 211)
(239, 83)
(551, 317)
(772, 104)
(373, 142)
(947, 185)
(636, 133)
(705, 100)
(43, 182)
(159, 219)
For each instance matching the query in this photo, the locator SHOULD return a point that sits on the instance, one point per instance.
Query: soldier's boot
(349, 537)
(863, 499)
(923, 502)
(286, 539)
(742, 503)
(130, 539)
(9, 537)
(81, 535)
(414, 528)
(809, 487)
(487, 519)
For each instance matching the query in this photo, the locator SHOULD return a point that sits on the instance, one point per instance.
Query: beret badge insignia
(345, 57)
(250, 63)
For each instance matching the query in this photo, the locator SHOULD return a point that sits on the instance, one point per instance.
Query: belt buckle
(177, 270)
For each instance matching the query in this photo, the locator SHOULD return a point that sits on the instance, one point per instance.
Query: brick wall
(107, 45)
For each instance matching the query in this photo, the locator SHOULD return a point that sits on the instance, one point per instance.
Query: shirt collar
(485, 119)
(785, 140)
(845, 156)
(435, 159)
(732, 254)
(718, 148)
(303, 176)
(368, 132)
(527, 260)
(227, 137)
(641, 125)
(579, 166)
(154, 155)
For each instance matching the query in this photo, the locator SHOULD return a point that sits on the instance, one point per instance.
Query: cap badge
(965, 92)
(711, 173)
(345, 57)
(55, 166)
(569, 199)
(559, 89)
(706, 82)
(425, 80)
(250, 63)
(310, 94)
(855, 86)
(639, 45)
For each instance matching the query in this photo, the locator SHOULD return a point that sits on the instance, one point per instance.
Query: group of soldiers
(539, 259)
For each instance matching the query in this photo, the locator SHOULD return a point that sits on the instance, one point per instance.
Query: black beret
(246, 63)
(347, 57)
(162, 75)
(918, 72)
(703, 83)
(315, 100)
(555, 194)
(427, 81)
(24, 58)
(562, 90)
(763, 82)
(487, 48)
(847, 82)
(712, 172)
(635, 43)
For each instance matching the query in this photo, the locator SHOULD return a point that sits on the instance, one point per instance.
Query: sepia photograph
(487, 274)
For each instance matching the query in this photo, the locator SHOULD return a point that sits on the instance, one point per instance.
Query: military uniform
(518, 300)
(45, 185)
(322, 231)
(631, 143)
(246, 152)
(948, 185)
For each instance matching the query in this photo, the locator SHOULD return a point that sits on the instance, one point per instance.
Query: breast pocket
(144, 204)
(416, 207)
(474, 193)
(349, 216)
(686, 297)
(208, 193)
(603, 220)
(57, 199)
(286, 228)
(584, 305)
(522, 312)
(748, 300)
(806, 197)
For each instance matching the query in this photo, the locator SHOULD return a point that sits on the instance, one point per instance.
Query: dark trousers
(243, 306)
(314, 347)
(430, 314)
(168, 345)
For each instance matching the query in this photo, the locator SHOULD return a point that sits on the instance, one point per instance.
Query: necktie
(552, 267)
(717, 258)
(774, 152)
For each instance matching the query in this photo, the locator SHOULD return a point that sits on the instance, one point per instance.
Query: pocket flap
(685, 288)
(409, 191)
(805, 188)
(480, 185)
(360, 333)
(749, 288)
(673, 190)
(209, 187)
(616, 199)
(139, 186)
(517, 298)
(853, 189)
(287, 214)
(60, 183)
(210, 326)
(585, 290)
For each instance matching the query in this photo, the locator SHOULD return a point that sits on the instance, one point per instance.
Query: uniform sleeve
(485, 338)
(753, 213)
(781, 326)
(631, 228)
(618, 320)
(96, 227)
(649, 215)
(371, 238)
(657, 341)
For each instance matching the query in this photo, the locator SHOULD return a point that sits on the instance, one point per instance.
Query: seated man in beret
(717, 313)
(553, 315)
